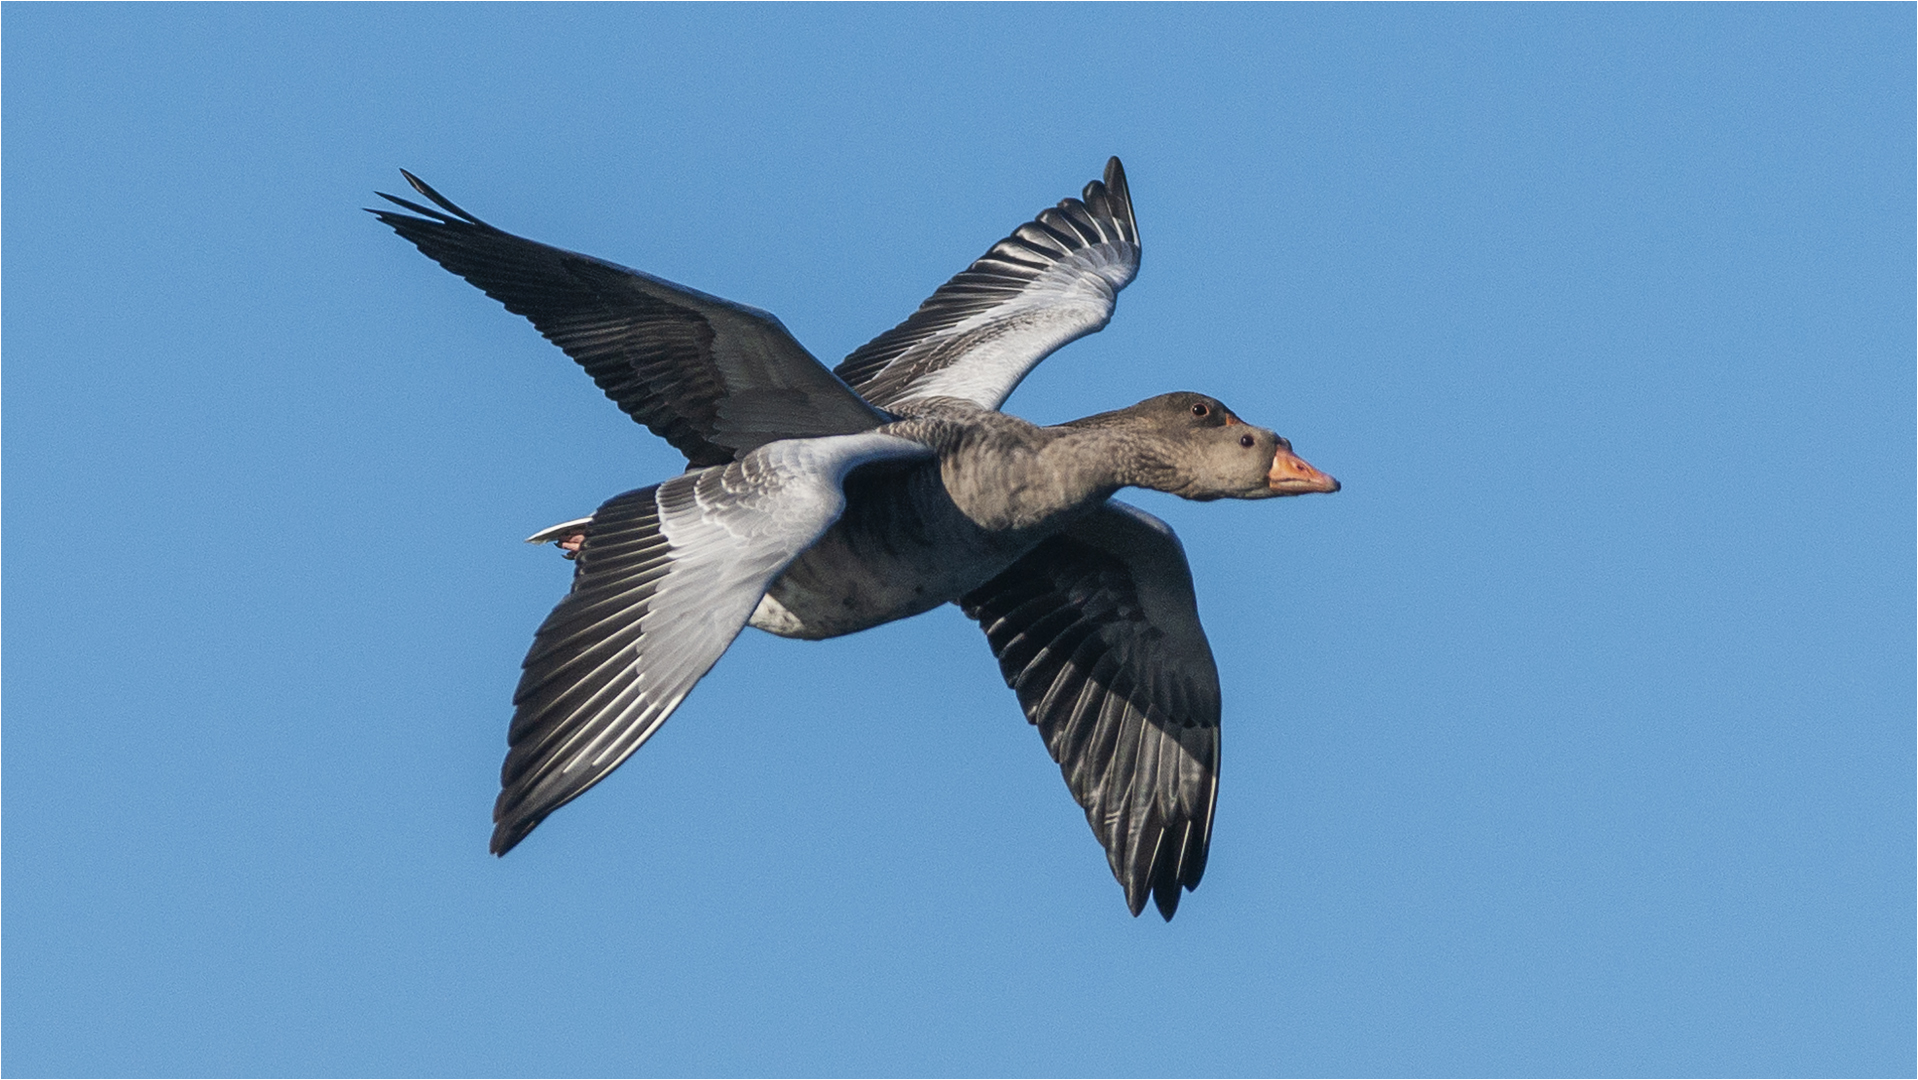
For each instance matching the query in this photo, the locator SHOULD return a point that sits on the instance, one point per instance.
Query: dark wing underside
(1097, 631)
(1056, 278)
(712, 377)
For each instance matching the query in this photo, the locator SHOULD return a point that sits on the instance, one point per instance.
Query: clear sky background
(1574, 736)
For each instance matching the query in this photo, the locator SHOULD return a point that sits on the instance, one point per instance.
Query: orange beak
(1290, 475)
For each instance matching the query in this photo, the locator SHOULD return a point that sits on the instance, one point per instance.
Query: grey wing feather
(1097, 631)
(1055, 279)
(714, 378)
(552, 534)
(666, 578)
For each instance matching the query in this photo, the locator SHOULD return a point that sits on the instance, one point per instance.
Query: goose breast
(902, 547)
(918, 535)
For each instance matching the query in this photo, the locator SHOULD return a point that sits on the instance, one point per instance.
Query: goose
(817, 503)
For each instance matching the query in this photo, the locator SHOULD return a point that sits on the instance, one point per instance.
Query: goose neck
(1097, 461)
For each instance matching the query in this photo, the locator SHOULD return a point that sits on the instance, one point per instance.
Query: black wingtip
(509, 831)
(1119, 196)
(1115, 183)
(408, 204)
(436, 198)
(1137, 891)
(1165, 896)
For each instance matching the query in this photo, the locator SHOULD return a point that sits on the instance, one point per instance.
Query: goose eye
(1246, 441)
(1200, 409)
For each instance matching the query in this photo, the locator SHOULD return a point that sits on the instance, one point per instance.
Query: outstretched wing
(1098, 632)
(1055, 279)
(666, 578)
(714, 378)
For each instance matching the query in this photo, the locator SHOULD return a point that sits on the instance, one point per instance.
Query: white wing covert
(690, 558)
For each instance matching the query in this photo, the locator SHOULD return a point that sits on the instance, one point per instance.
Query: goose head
(1193, 446)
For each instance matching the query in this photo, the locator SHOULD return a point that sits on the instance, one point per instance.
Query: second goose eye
(1200, 409)
(1246, 441)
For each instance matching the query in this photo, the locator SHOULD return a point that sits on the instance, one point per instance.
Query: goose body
(819, 503)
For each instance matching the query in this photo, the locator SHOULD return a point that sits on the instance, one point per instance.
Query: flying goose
(817, 503)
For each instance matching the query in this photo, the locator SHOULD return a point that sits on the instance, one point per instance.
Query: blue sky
(1574, 736)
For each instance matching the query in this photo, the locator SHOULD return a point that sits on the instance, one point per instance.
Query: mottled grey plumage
(810, 513)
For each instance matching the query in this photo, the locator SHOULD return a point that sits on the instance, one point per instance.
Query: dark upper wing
(1056, 278)
(712, 377)
(1098, 632)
